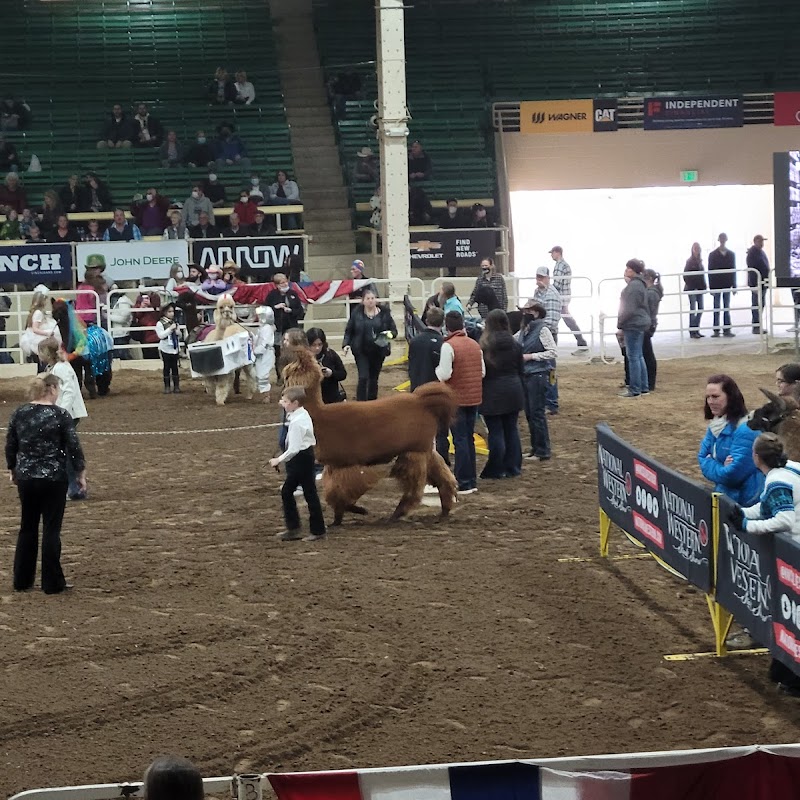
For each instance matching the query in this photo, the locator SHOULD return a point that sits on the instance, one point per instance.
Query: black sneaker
(729, 334)
(290, 536)
(715, 335)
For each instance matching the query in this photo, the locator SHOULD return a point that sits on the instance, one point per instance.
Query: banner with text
(665, 511)
(448, 249)
(29, 264)
(260, 257)
(787, 108)
(568, 116)
(133, 261)
(786, 604)
(674, 113)
(745, 578)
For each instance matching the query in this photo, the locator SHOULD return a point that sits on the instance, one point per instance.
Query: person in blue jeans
(538, 352)
(634, 321)
(461, 367)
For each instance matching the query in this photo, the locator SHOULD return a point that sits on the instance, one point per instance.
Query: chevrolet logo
(425, 246)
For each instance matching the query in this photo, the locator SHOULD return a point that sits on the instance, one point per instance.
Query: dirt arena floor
(193, 630)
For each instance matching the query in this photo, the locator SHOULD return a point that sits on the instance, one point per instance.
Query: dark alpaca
(781, 416)
(353, 438)
(196, 330)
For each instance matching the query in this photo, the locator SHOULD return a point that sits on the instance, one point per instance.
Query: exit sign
(689, 176)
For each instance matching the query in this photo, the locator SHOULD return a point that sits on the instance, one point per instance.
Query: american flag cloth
(308, 291)
(692, 775)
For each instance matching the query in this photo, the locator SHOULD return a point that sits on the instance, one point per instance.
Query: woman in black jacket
(694, 284)
(333, 371)
(367, 334)
(503, 397)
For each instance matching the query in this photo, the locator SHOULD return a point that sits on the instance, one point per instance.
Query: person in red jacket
(246, 209)
(462, 368)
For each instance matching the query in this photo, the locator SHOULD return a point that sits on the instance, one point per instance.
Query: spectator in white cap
(548, 296)
(562, 280)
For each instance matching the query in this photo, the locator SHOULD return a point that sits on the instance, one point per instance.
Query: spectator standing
(93, 282)
(245, 209)
(177, 278)
(51, 211)
(502, 397)
(285, 303)
(95, 196)
(419, 163)
(12, 194)
(492, 280)
(146, 316)
(235, 229)
(452, 217)
(549, 297)
(39, 326)
(215, 191)
(285, 192)
(562, 280)
(121, 230)
(358, 272)
(200, 154)
(367, 168)
(41, 438)
(420, 210)
(92, 233)
(171, 151)
(149, 130)
(539, 350)
(9, 159)
(204, 229)
(634, 321)
(694, 284)
(368, 334)
(62, 233)
(221, 90)
(196, 203)
(721, 281)
(448, 299)
(333, 370)
(176, 228)
(229, 149)
(121, 319)
(118, 130)
(151, 215)
(462, 368)
(245, 91)
(70, 195)
(758, 281)
(655, 291)
(11, 228)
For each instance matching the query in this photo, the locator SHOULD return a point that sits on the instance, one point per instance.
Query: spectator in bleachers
(121, 230)
(245, 91)
(262, 225)
(284, 193)
(451, 215)
(420, 210)
(257, 188)
(149, 130)
(172, 778)
(35, 235)
(26, 219)
(95, 196)
(246, 208)
(341, 88)
(493, 281)
(15, 115)
(9, 160)
(151, 213)
(419, 163)
(176, 228)
(230, 149)
(93, 232)
(12, 194)
(222, 89)
(215, 191)
(205, 228)
(62, 233)
(480, 219)
(70, 195)
(196, 203)
(118, 131)
(171, 151)
(367, 168)
(235, 229)
(201, 153)
(11, 229)
(51, 211)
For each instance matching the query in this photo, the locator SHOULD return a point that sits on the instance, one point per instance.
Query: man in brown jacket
(461, 367)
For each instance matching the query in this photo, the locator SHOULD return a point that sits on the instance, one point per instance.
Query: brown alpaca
(352, 438)
(226, 325)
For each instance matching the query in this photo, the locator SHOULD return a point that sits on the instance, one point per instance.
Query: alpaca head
(225, 313)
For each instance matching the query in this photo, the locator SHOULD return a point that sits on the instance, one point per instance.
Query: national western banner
(134, 261)
(259, 257)
(786, 602)
(448, 249)
(674, 113)
(29, 264)
(665, 511)
(787, 108)
(568, 116)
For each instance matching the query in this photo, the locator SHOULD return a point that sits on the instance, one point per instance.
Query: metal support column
(392, 135)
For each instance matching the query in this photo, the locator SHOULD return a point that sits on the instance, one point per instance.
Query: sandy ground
(192, 630)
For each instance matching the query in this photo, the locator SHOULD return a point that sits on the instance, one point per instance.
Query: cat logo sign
(556, 116)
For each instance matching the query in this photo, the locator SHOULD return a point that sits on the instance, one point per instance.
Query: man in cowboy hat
(367, 168)
(548, 296)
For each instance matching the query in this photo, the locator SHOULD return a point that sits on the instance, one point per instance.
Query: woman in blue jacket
(726, 452)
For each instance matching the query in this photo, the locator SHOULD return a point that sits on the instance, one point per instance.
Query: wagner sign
(669, 514)
(252, 255)
(132, 261)
(674, 113)
(568, 116)
(29, 264)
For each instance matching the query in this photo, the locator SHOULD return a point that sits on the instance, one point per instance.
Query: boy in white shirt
(299, 460)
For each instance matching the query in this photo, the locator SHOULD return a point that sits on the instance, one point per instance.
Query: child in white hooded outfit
(264, 349)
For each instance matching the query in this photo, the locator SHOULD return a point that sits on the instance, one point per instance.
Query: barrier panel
(664, 511)
(257, 257)
(786, 603)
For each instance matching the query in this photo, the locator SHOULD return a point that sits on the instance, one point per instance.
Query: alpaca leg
(410, 470)
(440, 476)
(210, 385)
(342, 486)
(223, 388)
(250, 382)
